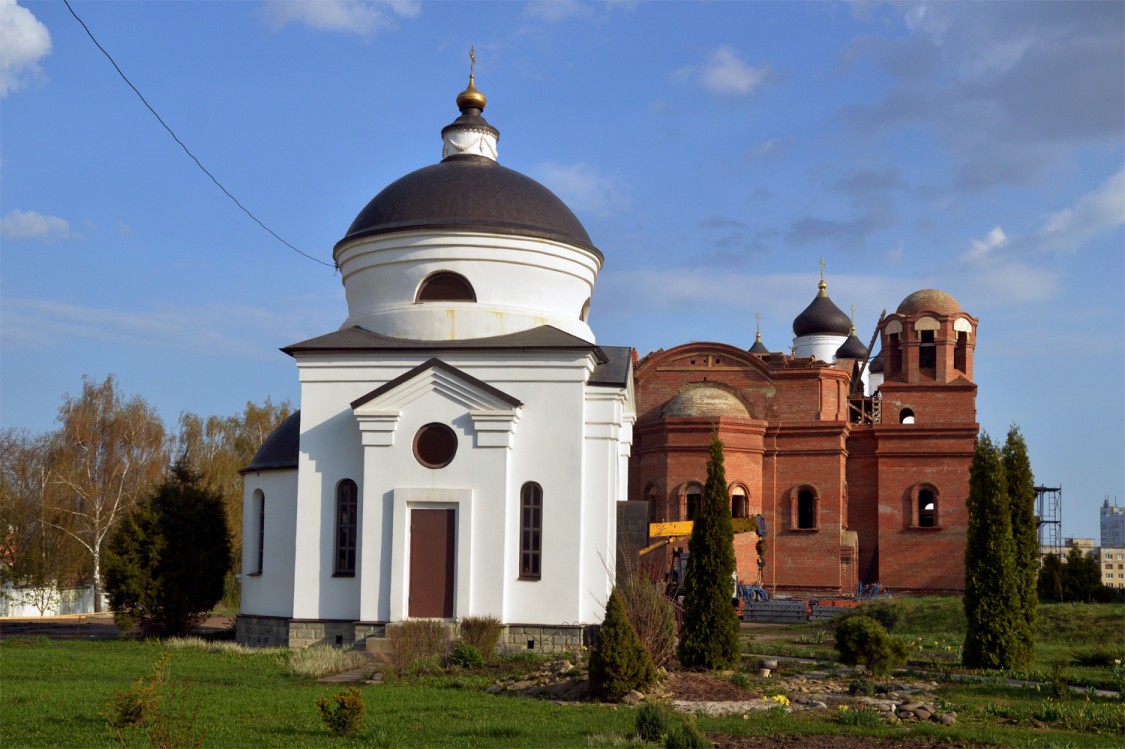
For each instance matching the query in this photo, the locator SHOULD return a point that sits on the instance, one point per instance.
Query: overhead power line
(181, 143)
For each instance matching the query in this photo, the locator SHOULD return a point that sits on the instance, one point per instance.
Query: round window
(435, 445)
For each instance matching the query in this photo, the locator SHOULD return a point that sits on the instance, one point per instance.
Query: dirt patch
(692, 687)
(86, 627)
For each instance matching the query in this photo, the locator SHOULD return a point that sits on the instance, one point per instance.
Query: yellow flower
(842, 708)
(780, 699)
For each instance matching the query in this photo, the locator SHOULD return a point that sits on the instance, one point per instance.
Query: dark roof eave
(512, 342)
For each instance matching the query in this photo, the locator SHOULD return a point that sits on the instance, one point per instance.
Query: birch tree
(110, 452)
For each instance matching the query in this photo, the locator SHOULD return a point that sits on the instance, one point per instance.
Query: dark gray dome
(470, 193)
(280, 449)
(759, 347)
(852, 348)
(876, 363)
(822, 317)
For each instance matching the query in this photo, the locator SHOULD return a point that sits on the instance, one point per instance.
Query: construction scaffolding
(1048, 512)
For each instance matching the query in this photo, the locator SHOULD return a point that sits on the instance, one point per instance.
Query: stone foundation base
(273, 631)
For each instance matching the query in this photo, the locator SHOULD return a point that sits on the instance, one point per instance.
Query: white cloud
(17, 224)
(726, 74)
(1104, 208)
(360, 17)
(24, 40)
(554, 11)
(584, 188)
(982, 251)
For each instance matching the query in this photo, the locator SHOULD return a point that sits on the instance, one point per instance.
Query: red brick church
(858, 480)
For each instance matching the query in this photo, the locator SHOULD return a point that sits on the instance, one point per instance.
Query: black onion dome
(822, 317)
(876, 363)
(470, 193)
(280, 449)
(852, 348)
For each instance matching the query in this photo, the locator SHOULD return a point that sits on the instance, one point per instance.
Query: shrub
(884, 613)
(416, 639)
(652, 721)
(862, 687)
(862, 640)
(650, 612)
(685, 735)
(483, 633)
(136, 706)
(324, 660)
(740, 680)
(466, 655)
(344, 715)
(619, 663)
(142, 708)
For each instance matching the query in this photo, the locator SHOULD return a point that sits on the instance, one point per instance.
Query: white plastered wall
(548, 443)
(820, 346)
(520, 283)
(271, 592)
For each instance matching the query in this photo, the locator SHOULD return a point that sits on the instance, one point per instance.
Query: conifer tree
(710, 633)
(991, 585)
(165, 564)
(1025, 536)
(619, 663)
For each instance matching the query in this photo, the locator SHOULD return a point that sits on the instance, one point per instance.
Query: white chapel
(462, 441)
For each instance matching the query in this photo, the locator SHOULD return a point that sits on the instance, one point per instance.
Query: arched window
(927, 509)
(260, 513)
(445, 286)
(805, 509)
(651, 497)
(906, 416)
(960, 350)
(739, 503)
(531, 531)
(925, 501)
(927, 351)
(694, 500)
(584, 315)
(893, 365)
(347, 510)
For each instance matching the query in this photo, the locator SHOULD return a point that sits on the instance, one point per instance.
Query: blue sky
(714, 151)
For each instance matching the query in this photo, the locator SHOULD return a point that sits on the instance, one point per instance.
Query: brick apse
(854, 487)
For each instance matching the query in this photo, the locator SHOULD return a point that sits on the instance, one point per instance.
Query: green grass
(53, 693)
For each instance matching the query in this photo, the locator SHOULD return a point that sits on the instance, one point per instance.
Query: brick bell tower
(915, 459)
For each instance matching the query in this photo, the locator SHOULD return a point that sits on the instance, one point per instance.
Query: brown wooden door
(431, 562)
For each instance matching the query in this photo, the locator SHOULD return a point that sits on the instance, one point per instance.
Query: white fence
(26, 602)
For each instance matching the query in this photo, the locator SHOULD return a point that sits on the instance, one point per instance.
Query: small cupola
(758, 348)
(470, 134)
(853, 348)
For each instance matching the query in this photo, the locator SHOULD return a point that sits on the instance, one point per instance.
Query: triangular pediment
(435, 376)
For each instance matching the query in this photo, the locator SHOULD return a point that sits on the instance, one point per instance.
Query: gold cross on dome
(472, 60)
(853, 315)
(822, 269)
(758, 321)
